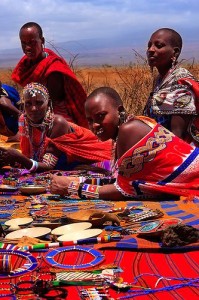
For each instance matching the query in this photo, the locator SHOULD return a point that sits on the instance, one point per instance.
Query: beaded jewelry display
(98, 257)
(139, 213)
(27, 267)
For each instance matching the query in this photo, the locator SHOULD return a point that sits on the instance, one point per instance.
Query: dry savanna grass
(133, 81)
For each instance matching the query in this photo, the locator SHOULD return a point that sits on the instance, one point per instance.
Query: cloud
(127, 21)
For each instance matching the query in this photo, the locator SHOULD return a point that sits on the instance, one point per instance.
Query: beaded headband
(35, 88)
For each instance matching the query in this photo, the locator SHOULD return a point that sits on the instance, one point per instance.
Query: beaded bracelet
(73, 188)
(89, 191)
(34, 166)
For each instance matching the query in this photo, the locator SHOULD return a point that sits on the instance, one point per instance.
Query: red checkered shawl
(75, 95)
(81, 145)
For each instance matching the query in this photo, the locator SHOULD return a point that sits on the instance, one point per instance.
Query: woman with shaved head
(174, 101)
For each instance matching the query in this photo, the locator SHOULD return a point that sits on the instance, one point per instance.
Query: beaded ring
(98, 257)
(27, 267)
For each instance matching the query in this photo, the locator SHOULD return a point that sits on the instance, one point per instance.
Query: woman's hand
(59, 184)
(9, 156)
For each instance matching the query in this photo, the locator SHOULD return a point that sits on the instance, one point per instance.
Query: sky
(101, 24)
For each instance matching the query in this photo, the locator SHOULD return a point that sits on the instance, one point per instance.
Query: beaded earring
(122, 117)
(174, 61)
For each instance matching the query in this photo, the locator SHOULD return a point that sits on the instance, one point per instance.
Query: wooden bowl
(32, 189)
(95, 217)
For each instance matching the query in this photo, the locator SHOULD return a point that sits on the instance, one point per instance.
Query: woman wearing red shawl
(42, 65)
(48, 141)
(150, 161)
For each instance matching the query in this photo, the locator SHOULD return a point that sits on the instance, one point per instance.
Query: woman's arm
(59, 185)
(12, 156)
(179, 124)
(6, 105)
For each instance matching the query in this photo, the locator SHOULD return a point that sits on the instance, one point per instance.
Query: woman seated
(150, 161)
(48, 141)
(9, 111)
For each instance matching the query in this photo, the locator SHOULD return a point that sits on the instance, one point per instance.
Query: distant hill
(95, 52)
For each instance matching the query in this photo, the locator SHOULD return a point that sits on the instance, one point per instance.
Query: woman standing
(42, 65)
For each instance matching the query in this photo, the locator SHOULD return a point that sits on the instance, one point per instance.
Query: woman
(174, 102)
(9, 111)
(42, 65)
(149, 159)
(48, 141)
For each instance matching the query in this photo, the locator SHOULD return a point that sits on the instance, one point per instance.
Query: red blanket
(75, 95)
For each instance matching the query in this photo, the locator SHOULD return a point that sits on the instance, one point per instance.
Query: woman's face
(160, 52)
(31, 42)
(102, 116)
(36, 106)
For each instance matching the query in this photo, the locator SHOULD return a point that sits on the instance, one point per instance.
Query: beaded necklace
(37, 137)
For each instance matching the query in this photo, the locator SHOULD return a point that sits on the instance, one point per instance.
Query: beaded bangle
(34, 166)
(30, 265)
(98, 257)
(90, 191)
(50, 160)
(73, 188)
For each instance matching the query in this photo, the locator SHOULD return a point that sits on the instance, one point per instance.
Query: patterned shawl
(159, 163)
(75, 96)
(176, 94)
